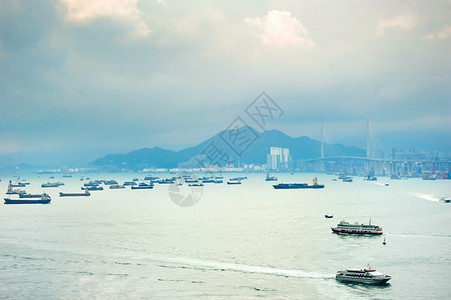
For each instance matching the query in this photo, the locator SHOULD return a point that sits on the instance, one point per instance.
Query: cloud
(402, 22)
(279, 28)
(443, 34)
(85, 11)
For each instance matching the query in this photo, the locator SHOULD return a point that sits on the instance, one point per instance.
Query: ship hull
(142, 187)
(26, 201)
(374, 281)
(345, 231)
(289, 187)
(74, 194)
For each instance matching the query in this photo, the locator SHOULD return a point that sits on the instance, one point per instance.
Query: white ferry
(356, 228)
(367, 276)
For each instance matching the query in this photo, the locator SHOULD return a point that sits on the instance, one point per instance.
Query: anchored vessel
(367, 276)
(43, 200)
(86, 193)
(315, 185)
(270, 178)
(356, 228)
(142, 186)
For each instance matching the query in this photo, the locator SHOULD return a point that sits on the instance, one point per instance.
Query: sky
(93, 77)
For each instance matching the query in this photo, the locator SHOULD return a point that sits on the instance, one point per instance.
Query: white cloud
(84, 11)
(399, 23)
(443, 34)
(279, 28)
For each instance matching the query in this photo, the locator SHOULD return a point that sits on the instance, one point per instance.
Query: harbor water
(238, 241)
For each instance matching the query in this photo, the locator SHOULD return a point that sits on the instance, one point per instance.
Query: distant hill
(252, 148)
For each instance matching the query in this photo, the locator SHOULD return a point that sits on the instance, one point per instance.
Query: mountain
(243, 145)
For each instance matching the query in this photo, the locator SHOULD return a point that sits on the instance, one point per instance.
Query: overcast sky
(119, 75)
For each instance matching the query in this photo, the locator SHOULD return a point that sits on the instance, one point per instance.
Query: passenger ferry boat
(367, 276)
(356, 228)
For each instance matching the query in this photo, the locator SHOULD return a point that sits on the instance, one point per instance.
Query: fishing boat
(315, 185)
(366, 276)
(328, 216)
(346, 228)
(43, 200)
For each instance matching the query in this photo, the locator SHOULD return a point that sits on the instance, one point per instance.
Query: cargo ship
(43, 200)
(315, 185)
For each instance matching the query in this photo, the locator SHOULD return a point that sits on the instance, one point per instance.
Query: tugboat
(356, 228)
(366, 276)
(315, 185)
(270, 178)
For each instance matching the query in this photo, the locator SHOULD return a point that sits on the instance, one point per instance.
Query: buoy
(384, 242)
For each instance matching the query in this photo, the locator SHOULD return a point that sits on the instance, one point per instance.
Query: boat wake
(426, 197)
(178, 262)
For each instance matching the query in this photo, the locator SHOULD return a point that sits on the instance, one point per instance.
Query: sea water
(238, 241)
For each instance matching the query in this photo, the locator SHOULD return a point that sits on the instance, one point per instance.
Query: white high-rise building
(278, 158)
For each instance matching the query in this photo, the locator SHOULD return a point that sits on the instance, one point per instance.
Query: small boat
(142, 186)
(366, 276)
(234, 181)
(328, 216)
(347, 179)
(208, 180)
(86, 193)
(270, 178)
(386, 184)
(356, 228)
(445, 200)
(43, 200)
(191, 180)
(32, 195)
(196, 184)
(130, 183)
(92, 188)
(52, 184)
(238, 178)
(371, 178)
(117, 186)
(110, 182)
